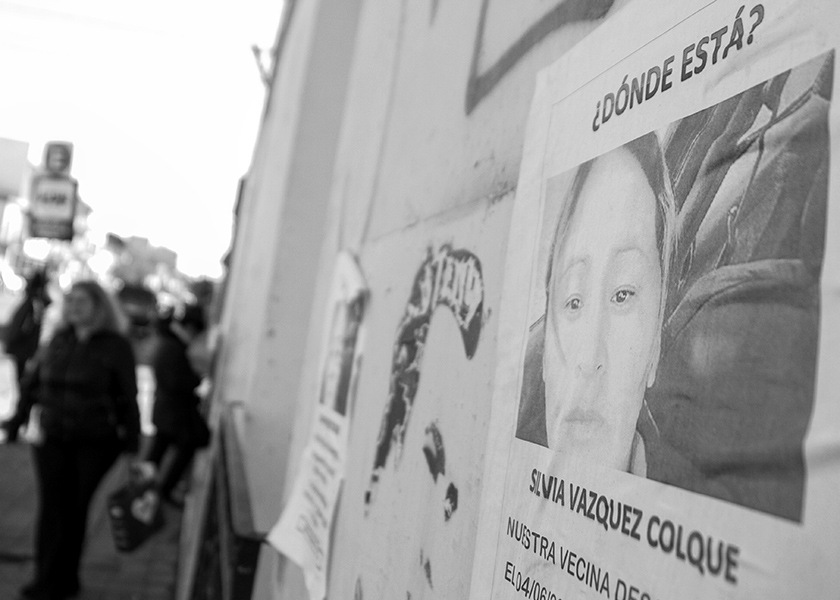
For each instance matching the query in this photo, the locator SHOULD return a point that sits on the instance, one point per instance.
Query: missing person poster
(670, 327)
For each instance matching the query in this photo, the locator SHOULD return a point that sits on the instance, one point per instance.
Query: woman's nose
(592, 343)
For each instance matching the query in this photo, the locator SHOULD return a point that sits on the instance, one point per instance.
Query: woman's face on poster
(602, 322)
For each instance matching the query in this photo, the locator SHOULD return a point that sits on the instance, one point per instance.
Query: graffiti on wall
(484, 77)
(449, 278)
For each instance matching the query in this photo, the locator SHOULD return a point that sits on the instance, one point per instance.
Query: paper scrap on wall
(303, 531)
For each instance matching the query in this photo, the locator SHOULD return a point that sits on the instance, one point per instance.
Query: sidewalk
(149, 573)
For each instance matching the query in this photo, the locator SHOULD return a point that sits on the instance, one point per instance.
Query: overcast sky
(161, 99)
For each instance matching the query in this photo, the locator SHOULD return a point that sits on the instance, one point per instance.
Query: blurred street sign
(58, 158)
(52, 206)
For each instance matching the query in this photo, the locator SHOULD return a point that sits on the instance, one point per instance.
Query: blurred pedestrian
(84, 383)
(176, 415)
(24, 329)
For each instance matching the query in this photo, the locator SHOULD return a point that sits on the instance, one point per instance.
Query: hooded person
(23, 333)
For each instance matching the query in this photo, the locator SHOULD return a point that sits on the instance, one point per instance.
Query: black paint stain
(450, 504)
(357, 594)
(427, 569)
(450, 278)
(434, 452)
(564, 13)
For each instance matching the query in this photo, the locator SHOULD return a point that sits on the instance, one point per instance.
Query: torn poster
(303, 531)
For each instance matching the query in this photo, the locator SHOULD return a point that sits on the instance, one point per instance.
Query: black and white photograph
(679, 339)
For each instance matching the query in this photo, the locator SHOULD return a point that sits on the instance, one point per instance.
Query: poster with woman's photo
(667, 389)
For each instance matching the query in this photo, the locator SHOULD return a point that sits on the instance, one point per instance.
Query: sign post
(53, 194)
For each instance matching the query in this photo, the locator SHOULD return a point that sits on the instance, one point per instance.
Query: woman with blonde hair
(84, 383)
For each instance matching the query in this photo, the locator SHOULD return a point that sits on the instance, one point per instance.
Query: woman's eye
(622, 296)
(573, 303)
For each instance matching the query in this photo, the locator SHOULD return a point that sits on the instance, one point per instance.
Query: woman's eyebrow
(576, 260)
(629, 249)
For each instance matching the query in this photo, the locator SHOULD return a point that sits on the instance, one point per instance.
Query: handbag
(134, 512)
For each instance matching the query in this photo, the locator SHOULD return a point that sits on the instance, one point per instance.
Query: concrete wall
(276, 255)
(394, 130)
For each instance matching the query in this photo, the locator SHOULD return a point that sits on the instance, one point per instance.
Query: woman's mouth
(584, 416)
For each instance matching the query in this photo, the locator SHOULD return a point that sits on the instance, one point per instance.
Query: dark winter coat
(87, 389)
(176, 402)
